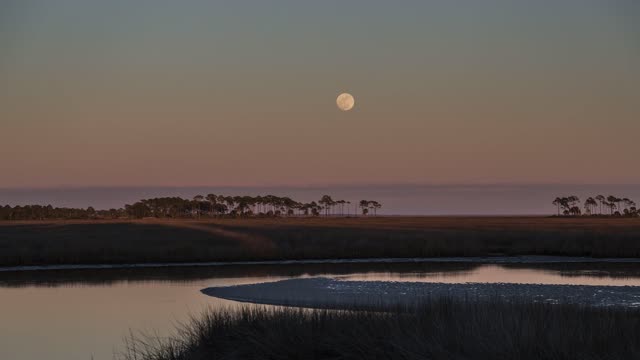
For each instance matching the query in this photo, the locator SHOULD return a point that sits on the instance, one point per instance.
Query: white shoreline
(321, 292)
(483, 260)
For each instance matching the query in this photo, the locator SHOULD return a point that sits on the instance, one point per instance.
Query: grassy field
(91, 242)
(442, 329)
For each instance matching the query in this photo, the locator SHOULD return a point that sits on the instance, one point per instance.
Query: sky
(242, 93)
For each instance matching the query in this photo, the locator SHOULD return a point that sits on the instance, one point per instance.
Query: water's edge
(323, 292)
(485, 260)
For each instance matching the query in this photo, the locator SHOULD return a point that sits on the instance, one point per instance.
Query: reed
(441, 329)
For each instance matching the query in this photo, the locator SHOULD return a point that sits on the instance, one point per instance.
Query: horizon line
(315, 186)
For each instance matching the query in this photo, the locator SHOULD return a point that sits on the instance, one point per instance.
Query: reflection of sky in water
(89, 313)
(498, 274)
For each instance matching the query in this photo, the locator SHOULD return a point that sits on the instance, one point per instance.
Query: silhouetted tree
(364, 205)
(558, 203)
(627, 203)
(197, 200)
(589, 205)
(602, 200)
(612, 203)
(374, 205)
(213, 202)
(327, 202)
(617, 206)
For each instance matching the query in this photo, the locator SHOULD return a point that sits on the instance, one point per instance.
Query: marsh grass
(441, 329)
(109, 242)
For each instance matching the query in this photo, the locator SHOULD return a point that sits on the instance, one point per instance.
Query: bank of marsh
(144, 241)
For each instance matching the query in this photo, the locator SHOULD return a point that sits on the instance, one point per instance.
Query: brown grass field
(155, 240)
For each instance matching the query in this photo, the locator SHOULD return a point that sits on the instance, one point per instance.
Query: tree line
(199, 206)
(596, 206)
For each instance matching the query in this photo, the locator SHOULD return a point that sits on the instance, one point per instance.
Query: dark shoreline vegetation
(220, 206)
(210, 206)
(596, 206)
(439, 329)
(171, 241)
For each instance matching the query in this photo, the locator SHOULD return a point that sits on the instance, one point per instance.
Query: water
(80, 314)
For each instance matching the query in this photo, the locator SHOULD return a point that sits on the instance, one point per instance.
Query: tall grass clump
(442, 329)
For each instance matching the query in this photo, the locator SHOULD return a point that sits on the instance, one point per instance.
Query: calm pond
(85, 314)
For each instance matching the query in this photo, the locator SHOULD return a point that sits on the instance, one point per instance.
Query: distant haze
(396, 199)
(184, 93)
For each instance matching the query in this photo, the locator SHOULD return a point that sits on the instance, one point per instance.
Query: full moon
(345, 102)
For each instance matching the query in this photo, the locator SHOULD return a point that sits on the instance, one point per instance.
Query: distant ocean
(396, 199)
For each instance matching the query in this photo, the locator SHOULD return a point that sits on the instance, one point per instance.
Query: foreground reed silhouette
(441, 329)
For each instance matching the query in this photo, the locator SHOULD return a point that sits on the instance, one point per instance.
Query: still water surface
(84, 314)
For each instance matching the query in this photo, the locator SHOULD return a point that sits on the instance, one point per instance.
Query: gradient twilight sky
(180, 93)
